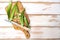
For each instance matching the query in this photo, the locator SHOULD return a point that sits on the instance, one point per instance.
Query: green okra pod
(26, 22)
(12, 12)
(8, 9)
(22, 18)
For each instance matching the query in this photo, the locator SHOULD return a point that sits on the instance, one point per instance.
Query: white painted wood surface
(32, 0)
(41, 20)
(36, 8)
(43, 32)
(40, 23)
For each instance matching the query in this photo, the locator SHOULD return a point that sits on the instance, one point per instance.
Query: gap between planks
(33, 26)
(31, 39)
(37, 14)
(36, 2)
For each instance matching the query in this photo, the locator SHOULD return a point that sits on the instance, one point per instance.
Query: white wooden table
(44, 16)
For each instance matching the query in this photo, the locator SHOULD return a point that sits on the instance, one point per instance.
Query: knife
(18, 25)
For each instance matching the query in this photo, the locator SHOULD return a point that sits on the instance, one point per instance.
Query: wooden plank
(30, 39)
(36, 2)
(32, 8)
(43, 20)
(38, 14)
(43, 33)
(31, 0)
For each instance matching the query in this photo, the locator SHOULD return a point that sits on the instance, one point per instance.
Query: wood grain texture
(43, 20)
(34, 8)
(32, 0)
(35, 32)
(44, 16)
(31, 39)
